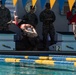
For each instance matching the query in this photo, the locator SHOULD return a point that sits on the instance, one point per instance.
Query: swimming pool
(23, 68)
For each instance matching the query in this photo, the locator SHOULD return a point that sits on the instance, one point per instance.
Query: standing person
(31, 18)
(47, 17)
(5, 17)
(71, 16)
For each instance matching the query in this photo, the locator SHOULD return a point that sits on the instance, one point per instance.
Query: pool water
(35, 69)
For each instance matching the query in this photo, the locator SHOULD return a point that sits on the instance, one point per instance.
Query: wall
(60, 23)
(9, 5)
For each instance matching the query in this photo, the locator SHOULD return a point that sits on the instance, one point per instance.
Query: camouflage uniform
(31, 18)
(4, 17)
(47, 17)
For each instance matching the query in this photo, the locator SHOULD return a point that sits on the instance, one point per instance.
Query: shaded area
(24, 45)
(6, 32)
(66, 33)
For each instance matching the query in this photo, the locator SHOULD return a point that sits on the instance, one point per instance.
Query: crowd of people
(28, 25)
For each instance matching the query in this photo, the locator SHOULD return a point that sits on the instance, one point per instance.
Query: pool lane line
(41, 62)
(41, 58)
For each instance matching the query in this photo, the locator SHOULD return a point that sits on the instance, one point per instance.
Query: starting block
(7, 40)
(65, 42)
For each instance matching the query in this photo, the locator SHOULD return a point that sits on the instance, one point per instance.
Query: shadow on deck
(23, 46)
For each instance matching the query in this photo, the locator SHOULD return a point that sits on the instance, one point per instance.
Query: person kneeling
(31, 34)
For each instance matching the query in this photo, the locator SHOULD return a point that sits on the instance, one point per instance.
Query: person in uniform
(31, 18)
(5, 17)
(47, 17)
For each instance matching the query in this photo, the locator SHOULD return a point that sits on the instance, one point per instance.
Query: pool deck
(37, 52)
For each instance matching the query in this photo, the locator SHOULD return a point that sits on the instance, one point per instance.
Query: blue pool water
(34, 69)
